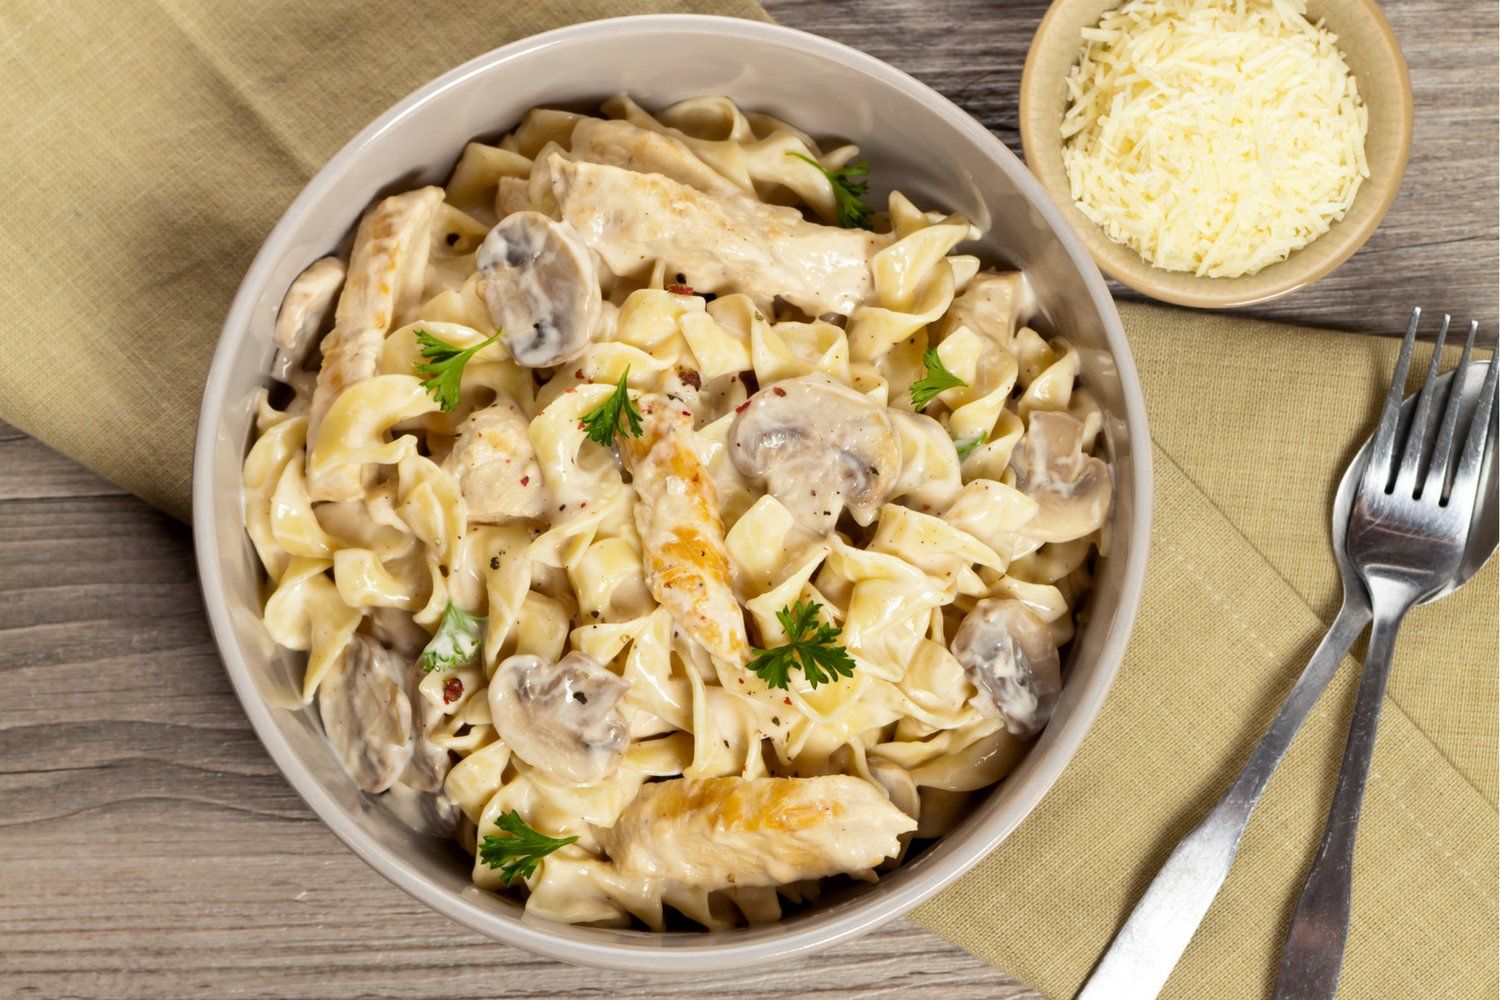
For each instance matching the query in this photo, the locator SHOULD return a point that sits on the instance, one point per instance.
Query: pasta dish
(666, 525)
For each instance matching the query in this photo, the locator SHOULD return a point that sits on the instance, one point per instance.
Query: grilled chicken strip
(719, 833)
(387, 269)
(682, 535)
(621, 144)
(495, 464)
(725, 243)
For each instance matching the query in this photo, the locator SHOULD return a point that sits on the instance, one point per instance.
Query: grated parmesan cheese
(1213, 136)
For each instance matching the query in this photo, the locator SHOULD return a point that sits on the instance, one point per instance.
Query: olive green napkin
(148, 149)
(1253, 424)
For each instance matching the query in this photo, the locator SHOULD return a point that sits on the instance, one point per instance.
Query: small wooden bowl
(1375, 59)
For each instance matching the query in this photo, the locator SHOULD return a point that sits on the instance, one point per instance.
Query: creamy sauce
(628, 590)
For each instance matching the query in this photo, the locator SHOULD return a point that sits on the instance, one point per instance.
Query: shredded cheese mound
(1213, 136)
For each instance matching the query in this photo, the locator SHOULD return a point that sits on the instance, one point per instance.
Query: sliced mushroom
(429, 762)
(495, 464)
(1072, 490)
(302, 314)
(561, 718)
(1009, 655)
(542, 288)
(395, 629)
(367, 714)
(817, 446)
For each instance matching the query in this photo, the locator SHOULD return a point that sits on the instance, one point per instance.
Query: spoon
(1408, 538)
(1147, 947)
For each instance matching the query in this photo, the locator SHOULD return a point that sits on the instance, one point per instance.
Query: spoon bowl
(1484, 532)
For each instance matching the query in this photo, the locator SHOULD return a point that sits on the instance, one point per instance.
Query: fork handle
(1314, 951)
(1147, 948)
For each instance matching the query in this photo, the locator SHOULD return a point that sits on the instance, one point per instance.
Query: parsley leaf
(603, 421)
(443, 368)
(853, 213)
(966, 447)
(821, 660)
(518, 854)
(938, 378)
(455, 642)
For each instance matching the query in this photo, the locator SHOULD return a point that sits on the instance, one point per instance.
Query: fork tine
(1442, 449)
(1378, 471)
(1419, 434)
(1466, 477)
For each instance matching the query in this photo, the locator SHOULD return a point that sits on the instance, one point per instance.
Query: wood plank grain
(1440, 245)
(149, 847)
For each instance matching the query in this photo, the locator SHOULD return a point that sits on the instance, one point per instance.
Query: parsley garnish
(821, 660)
(518, 854)
(853, 213)
(455, 642)
(925, 390)
(966, 448)
(603, 421)
(443, 368)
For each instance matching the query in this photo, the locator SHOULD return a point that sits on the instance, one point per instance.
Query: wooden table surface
(148, 847)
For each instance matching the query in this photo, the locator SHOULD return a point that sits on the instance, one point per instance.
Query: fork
(1412, 514)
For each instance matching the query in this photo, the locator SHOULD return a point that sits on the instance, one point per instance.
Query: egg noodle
(549, 647)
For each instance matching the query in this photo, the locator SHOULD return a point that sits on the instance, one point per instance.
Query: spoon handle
(1314, 951)
(1147, 948)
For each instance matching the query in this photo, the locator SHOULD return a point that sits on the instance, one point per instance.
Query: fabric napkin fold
(148, 157)
(147, 150)
(1253, 424)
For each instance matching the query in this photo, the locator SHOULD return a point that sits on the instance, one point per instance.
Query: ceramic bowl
(918, 141)
(1375, 59)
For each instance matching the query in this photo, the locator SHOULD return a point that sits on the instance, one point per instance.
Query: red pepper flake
(690, 377)
(778, 390)
(525, 480)
(578, 374)
(742, 407)
(583, 505)
(453, 689)
(572, 388)
(678, 288)
(787, 700)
